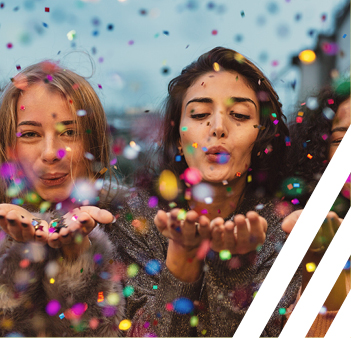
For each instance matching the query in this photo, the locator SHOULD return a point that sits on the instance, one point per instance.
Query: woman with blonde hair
(53, 127)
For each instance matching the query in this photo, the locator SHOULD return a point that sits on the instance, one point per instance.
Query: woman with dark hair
(317, 132)
(225, 138)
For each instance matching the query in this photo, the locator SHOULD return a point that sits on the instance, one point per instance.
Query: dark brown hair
(267, 166)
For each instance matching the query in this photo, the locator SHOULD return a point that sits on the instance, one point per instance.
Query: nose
(49, 153)
(218, 125)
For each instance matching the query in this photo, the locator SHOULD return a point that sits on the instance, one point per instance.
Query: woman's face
(46, 149)
(217, 130)
(340, 125)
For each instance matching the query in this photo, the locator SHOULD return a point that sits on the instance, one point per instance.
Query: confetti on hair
(52, 307)
(100, 297)
(132, 270)
(24, 263)
(52, 280)
(216, 67)
(310, 267)
(194, 321)
(287, 141)
(295, 201)
(249, 178)
(62, 315)
(128, 291)
(81, 112)
(89, 156)
(125, 324)
(309, 156)
(102, 171)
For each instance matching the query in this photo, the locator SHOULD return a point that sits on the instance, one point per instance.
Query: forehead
(39, 102)
(342, 117)
(222, 84)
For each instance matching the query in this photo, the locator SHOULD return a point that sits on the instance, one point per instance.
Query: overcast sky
(138, 46)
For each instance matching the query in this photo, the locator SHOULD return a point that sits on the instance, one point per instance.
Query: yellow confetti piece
(168, 185)
(132, 144)
(216, 67)
(102, 171)
(113, 299)
(125, 324)
(300, 113)
(100, 297)
(249, 179)
(195, 145)
(310, 267)
(310, 156)
(307, 56)
(52, 281)
(68, 149)
(60, 127)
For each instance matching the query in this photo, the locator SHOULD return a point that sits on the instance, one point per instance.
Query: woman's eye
(240, 116)
(199, 116)
(337, 142)
(69, 132)
(28, 135)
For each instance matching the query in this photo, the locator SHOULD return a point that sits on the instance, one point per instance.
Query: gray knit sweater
(162, 305)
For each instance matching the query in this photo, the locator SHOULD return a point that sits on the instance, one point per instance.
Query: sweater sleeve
(87, 290)
(21, 292)
(231, 284)
(157, 302)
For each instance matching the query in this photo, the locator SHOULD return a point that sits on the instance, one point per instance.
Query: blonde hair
(80, 96)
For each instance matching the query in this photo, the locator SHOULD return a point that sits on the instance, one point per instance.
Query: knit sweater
(41, 294)
(212, 306)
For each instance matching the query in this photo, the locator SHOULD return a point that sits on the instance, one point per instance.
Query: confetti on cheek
(61, 153)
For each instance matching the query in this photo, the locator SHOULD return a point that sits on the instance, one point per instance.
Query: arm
(151, 306)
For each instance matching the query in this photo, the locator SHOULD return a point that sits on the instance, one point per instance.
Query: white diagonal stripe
(340, 326)
(298, 242)
(322, 281)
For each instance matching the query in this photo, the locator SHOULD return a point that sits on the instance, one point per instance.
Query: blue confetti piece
(153, 267)
(178, 158)
(95, 33)
(62, 316)
(183, 305)
(347, 265)
(296, 185)
(166, 32)
(344, 36)
(45, 25)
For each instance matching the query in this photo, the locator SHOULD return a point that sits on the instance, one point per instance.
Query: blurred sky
(138, 46)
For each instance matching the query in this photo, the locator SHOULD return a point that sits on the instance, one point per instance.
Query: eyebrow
(38, 124)
(234, 99)
(339, 129)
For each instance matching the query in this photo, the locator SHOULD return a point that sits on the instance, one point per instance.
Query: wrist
(183, 263)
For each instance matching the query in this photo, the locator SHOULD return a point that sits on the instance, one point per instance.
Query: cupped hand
(324, 235)
(243, 235)
(185, 233)
(72, 238)
(21, 225)
(188, 231)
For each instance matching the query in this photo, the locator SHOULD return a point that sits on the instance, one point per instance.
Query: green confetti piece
(184, 129)
(194, 321)
(225, 255)
(81, 270)
(128, 291)
(282, 311)
(155, 287)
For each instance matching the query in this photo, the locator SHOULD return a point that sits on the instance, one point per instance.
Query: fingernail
(2, 217)
(64, 235)
(38, 236)
(83, 222)
(11, 221)
(24, 225)
(55, 239)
